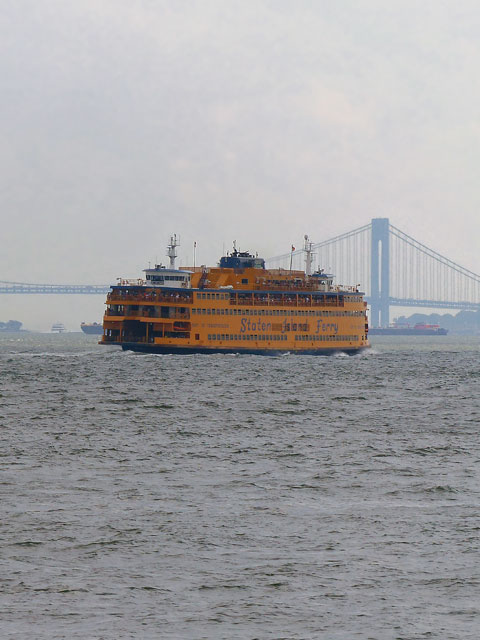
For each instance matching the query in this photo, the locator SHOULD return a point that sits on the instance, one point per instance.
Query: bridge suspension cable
(346, 256)
(420, 273)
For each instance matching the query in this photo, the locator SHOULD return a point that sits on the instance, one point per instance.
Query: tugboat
(237, 307)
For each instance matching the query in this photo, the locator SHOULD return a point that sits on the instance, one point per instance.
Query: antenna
(308, 248)
(171, 253)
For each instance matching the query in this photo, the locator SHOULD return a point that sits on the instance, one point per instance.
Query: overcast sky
(124, 121)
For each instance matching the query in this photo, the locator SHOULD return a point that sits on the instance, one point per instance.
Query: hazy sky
(123, 121)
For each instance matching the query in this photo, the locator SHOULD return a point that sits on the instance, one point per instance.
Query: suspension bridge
(391, 267)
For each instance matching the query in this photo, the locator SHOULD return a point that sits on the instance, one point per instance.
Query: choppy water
(239, 496)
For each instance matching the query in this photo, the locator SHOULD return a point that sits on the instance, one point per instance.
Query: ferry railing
(130, 282)
(302, 302)
(146, 314)
(120, 297)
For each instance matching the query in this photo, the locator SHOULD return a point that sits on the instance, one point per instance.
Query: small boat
(57, 327)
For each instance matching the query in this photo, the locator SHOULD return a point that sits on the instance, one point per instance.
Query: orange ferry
(237, 307)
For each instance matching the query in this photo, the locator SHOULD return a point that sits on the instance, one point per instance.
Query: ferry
(237, 307)
(95, 328)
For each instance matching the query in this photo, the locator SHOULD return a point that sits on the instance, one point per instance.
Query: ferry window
(204, 311)
(244, 280)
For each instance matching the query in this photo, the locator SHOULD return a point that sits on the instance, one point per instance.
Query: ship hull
(92, 329)
(174, 350)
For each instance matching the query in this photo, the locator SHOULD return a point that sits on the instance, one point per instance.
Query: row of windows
(246, 336)
(170, 278)
(280, 337)
(213, 296)
(273, 312)
(322, 338)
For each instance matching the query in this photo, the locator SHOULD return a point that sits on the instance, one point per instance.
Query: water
(239, 496)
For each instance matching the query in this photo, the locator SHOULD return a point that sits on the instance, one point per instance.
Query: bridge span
(391, 267)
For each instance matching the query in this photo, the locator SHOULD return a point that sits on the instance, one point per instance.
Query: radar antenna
(171, 253)
(308, 248)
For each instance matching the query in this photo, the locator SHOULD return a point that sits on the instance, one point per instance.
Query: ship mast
(308, 248)
(171, 253)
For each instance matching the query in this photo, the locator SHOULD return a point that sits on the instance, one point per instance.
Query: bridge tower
(380, 273)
